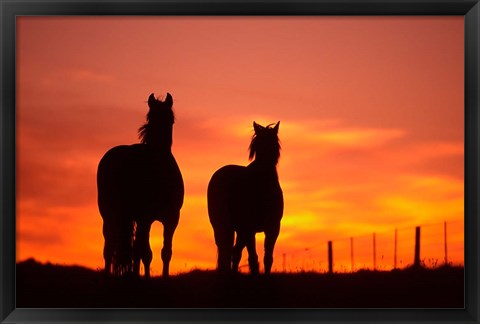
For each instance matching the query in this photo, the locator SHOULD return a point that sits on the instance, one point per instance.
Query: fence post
(395, 250)
(445, 239)
(374, 253)
(416, 262)
(330, 257)
(351, 252)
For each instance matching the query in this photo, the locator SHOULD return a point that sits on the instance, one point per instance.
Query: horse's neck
(160, 138)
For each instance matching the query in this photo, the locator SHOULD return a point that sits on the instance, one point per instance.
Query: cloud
(423, 198)
(89, 75)
(327, 136)
(66, 181)
(40, 239)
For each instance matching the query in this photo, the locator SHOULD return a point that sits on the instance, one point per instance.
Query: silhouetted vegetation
(52, 286)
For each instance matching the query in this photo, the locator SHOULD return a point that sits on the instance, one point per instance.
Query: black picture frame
(10, 9)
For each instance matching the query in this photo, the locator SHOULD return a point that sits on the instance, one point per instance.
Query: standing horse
(247, 200)
(138, 184)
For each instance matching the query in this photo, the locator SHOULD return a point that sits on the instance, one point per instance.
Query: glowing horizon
(371, 112)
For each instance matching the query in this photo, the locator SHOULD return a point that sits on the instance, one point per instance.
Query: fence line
(420, 237)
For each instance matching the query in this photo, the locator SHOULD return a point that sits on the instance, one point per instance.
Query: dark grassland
(53, 286)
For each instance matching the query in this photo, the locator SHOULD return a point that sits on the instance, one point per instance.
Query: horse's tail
(123, 256)
(220, 218)
(118, 226)
(217, 205)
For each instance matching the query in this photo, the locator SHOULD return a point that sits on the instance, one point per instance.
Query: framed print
(239, 161)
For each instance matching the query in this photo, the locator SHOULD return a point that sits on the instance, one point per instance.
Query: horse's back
(135, 178)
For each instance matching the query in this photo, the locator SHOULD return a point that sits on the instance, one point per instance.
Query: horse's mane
(266, 140)
(142, 133)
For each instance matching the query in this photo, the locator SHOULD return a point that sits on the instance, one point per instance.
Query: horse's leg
(169, 227)
(240, 243)
(147, 250)
(252, 254)
(270, 239)
(141, 248)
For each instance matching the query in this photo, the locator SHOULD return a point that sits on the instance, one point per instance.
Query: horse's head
(161, 110)
(265, 145)
(160, 119)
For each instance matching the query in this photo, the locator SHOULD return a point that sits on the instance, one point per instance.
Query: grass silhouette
(53, 286)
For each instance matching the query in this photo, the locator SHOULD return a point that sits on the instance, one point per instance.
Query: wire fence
(429, 245)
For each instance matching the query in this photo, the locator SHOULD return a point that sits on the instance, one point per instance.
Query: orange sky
(371, 112)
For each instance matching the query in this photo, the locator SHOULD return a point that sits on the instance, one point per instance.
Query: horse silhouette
(247, 200)
(138, 184)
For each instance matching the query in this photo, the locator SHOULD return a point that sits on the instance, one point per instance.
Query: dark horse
(138, 184)
(247, 200)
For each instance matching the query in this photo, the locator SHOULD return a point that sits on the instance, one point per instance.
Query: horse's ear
(276, 127)
(169, 100)
(257, 127)
(151, 100)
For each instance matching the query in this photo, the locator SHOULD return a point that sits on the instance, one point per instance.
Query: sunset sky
(372, 128)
